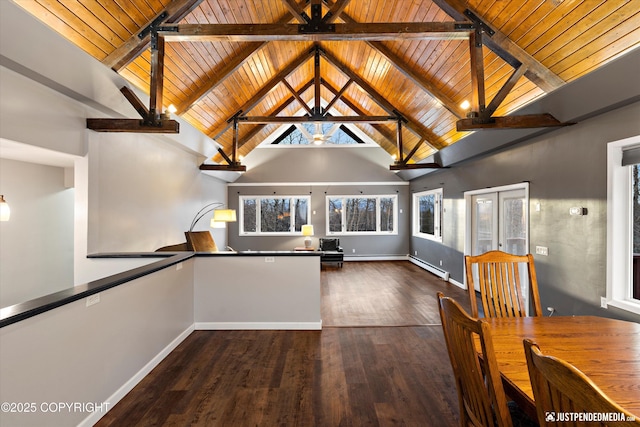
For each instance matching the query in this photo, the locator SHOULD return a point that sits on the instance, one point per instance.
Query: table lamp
(307, 231)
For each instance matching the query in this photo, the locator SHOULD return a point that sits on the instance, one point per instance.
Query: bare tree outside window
(335, 215)
(361, 214)
(373, 214)
(386, 214)
(249, 211)
(427, 213)
(274, 214)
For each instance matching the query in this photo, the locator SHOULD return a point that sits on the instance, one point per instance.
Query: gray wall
(321, 172)
(565, 168)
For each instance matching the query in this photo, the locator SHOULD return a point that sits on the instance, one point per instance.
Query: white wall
(93, 354)
(143, 193)
(36, 245)
(132, 192)
(257, 292)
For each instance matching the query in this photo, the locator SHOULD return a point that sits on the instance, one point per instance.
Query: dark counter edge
(16, 313)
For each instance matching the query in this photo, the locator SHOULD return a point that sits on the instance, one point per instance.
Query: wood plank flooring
(380, 360)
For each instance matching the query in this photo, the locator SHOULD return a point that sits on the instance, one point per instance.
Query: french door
(498, 219)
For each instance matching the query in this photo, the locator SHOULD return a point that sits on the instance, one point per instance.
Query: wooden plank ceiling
(424, 79)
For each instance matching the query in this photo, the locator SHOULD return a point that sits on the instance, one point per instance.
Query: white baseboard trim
(253, 326)
(94, 417)
(458, 284)
(437, 271)
(376, 258)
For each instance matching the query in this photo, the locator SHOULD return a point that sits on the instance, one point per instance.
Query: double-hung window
(273, 215)
(623, 224)
(362, 214)
(427, 214)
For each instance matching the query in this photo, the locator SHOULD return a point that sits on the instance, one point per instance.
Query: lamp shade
(307, 230)
(224, 215)
(5, 211)
(217, 224)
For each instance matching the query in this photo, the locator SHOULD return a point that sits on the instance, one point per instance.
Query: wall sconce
(5, 211)
(307, 231)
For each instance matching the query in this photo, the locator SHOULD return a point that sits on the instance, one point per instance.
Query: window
(362, 215)
(306, 134)
(623, 224)
(427, 214)
(273, 215)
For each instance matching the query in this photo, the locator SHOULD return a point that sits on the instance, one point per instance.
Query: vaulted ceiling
(399, 69)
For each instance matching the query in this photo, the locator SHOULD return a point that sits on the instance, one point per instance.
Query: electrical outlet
(440, 263)
(603, 302)
(269, 259)
(415, 253)
(93, 299)
(353, 251)
(178, 266)
(542, 250)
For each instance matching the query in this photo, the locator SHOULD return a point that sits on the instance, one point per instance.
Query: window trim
(438, 211)
(241, 200)
(619, 228)
(394, 197)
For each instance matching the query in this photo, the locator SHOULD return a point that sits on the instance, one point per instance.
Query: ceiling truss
(316, 28)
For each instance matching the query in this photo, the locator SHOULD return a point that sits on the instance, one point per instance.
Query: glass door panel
(513, 222)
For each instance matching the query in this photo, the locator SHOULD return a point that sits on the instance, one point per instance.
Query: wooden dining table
(606, 350)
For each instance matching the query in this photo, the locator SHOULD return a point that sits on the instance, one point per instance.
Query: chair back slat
(498, 275)
(560, 388)
(480, 393)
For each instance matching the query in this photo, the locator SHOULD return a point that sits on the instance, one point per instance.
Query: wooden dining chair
(498, 277)
(480, 394)
(560, 388)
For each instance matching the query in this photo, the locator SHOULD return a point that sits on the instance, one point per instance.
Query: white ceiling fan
(318, 137)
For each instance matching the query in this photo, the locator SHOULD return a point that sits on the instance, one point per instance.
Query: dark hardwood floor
(380, 360)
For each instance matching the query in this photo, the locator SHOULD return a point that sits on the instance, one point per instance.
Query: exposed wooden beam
(298, 97)
(335, 11)
(297, 11)
(227, 70)
(135, 45)
(356, 31)
(504, 90)
(215, 80)
(477, 73)
(399, 142)
(273, 82)
(337, 96)
(401, 166)
(432, 139)
(132, 125)
(416, 78)
(510, 122)
(223, 168)
(315, 119)
(413, 151)
(506, 48)
(157, 77)
(135, 101)
(382, 130)
(316, 82)
(256, 129)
